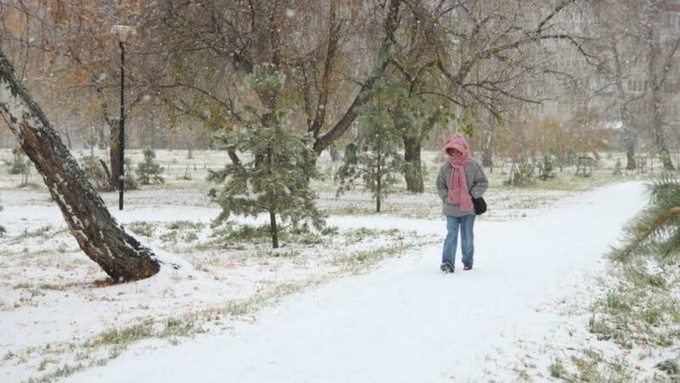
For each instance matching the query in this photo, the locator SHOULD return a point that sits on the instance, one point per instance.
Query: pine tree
(149, 171)
(655, 232)
(19, 163)
(374, 155)
(276, 178)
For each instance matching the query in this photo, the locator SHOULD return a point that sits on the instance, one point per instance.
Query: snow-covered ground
(406, 321)
(307, 316)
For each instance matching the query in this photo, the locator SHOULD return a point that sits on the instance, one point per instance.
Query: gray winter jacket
(476, 180)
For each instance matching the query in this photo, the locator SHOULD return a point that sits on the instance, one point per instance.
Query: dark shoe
(467, 267)
(446, 267)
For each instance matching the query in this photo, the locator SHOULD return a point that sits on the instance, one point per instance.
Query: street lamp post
(121, 32)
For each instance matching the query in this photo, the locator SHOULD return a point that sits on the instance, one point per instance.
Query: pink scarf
(459, 193)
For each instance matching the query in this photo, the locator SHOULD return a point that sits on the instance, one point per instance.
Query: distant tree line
(476, 66)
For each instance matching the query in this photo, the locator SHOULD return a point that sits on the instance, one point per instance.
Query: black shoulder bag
(479, 204)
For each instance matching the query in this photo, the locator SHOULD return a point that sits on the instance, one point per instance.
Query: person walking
(459, 179)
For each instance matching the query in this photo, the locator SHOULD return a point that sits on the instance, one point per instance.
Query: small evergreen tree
(617, 167)
(91, 140)
(655, 232)
(130, 180)
(19, 163)
(521, 174)
(149, 171)
(275, 180)
(546, 168)
(374, 155)
(95, 173)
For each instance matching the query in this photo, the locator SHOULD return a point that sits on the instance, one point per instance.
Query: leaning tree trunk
(97, 233)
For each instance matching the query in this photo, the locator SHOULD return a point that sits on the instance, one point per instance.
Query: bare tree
(661, 56)
(615, 36)
(59, 44)
(120, 255)
(321, 47)
(476, 58)
(638, 52)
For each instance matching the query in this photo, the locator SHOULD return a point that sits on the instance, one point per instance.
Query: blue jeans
(466, 225)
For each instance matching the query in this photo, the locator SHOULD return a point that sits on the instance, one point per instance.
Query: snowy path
(405, 321)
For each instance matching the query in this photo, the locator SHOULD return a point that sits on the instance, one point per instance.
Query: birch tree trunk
(121, 256)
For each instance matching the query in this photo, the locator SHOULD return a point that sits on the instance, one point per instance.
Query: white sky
(523, 304)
